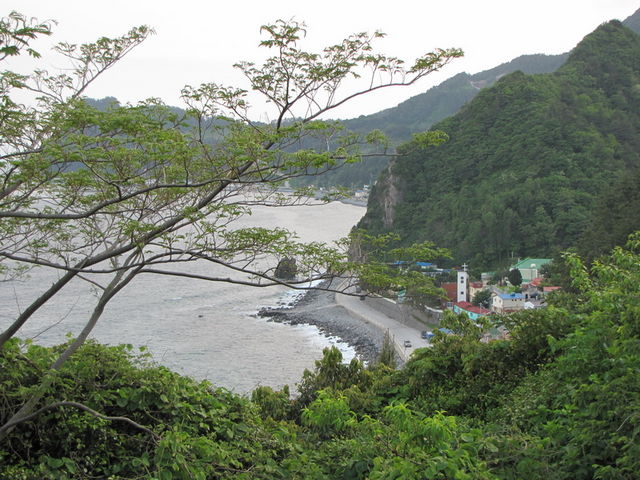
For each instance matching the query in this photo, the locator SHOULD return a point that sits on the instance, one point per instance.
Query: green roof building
(530, 268)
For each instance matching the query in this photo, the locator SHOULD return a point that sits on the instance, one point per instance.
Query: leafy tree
(388, 270)
(330, 373)
(482, 298)
(273, 404)
(515, 277)
(387, 352)
(104, 196)
(328, 414)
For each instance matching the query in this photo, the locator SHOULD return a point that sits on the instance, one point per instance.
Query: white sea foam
(292, 296)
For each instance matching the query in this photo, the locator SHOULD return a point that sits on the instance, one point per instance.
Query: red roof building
(452, 290)
(536, 282)
(472, 311)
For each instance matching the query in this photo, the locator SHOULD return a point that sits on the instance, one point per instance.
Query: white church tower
(463, 284)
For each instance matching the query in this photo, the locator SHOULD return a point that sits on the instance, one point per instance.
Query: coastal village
(489, 296)
(502, 298)
(412, 328)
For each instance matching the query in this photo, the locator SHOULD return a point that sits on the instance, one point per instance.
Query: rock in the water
(287, 269)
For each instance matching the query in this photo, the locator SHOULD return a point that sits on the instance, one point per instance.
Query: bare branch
(84, 408)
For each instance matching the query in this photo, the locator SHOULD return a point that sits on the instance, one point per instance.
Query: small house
(475, 287)
(473, 312)
(507, 302)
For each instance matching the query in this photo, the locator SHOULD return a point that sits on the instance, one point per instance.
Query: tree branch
(84, 408)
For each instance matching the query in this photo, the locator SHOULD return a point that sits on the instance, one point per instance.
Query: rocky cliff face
(391, 197)
(385, 195)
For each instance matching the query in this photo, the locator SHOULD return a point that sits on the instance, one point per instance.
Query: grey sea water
(206, 330)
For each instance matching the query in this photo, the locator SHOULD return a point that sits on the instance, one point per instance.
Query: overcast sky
(198, 41)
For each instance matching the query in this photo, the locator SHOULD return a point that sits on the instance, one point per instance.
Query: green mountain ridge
(527, 160)
(421, 112)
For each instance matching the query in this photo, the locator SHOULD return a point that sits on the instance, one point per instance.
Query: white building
(507, 302)
(462, 294)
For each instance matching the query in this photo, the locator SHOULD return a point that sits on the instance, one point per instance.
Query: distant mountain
(633, 21)
(419, 113)
(527, 160)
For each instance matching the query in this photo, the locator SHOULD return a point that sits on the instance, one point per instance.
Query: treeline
(527, 162)
(558, 400)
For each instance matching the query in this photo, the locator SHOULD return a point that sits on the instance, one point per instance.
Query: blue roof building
(507, 302)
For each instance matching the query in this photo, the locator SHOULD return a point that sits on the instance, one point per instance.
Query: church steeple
(463, 284)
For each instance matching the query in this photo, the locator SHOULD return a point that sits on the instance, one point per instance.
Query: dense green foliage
(204, 431)
(515, 277)
(527, 160)
(558, 400)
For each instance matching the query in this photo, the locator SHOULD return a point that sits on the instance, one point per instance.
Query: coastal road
(399, 331)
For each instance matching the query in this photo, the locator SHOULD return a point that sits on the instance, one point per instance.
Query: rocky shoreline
(319, 308)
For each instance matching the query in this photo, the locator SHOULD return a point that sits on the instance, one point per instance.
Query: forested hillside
(527, 160)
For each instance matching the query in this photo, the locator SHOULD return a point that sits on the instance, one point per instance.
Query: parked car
(427, 335)
(407, 344)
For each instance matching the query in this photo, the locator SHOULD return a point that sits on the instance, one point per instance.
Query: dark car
(427, 335)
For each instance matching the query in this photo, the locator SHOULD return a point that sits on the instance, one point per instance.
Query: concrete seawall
(403, 322)
(404, 313)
